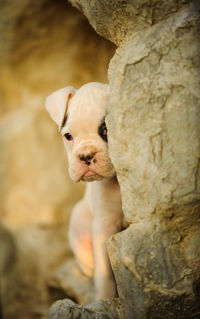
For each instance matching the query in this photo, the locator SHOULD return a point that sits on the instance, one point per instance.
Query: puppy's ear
(57, 103)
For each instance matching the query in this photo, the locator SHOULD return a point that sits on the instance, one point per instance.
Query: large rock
(153, 118)
(109, 309)
(154, 145)
(25, 290)
(117, 19)
(69, 279)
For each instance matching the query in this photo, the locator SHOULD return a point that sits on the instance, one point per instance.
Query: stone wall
(157, 107)
(45, 45)
(153, 125)
(154, 116)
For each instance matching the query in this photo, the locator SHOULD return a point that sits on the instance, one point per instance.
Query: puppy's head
(80, 115)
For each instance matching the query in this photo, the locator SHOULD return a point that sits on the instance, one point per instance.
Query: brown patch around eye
(103, 130)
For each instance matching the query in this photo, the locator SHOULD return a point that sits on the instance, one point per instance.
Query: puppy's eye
(68, 136)
(103, 131)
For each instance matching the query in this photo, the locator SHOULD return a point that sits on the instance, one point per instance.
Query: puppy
(80, 115)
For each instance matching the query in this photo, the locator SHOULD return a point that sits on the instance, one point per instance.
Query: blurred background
(44, 45)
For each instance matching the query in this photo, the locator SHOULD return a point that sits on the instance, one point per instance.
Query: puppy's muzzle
(87, 158)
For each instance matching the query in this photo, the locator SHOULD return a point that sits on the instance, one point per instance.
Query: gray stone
(155, 277)
(69, 279)
(154, 134)
(66, 308)
(116, 19)
(24, 288)
(154, 116)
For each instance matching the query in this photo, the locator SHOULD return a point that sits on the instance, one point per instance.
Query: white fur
(98, 215)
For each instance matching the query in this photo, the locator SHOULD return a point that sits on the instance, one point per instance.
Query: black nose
(86, 158)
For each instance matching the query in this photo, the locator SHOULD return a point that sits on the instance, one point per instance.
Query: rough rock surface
(109, 309)
(25, 289)
(154, 144)
(116, 19)
(154, 134)
(155, 103)
(68, 278)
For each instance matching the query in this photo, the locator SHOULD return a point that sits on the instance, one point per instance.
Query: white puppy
(80, 115)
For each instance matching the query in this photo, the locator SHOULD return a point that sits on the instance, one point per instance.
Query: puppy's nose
(86, 158)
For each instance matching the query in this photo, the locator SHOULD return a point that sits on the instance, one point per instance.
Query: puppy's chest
(105, 198)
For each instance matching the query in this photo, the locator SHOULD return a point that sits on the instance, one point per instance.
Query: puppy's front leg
(103, 276)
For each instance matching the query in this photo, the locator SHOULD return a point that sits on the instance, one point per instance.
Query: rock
(154, 145)
(116, 20)
(155, 277)
(155, 99)
(39, 251)
(99, 310)
(69, 279)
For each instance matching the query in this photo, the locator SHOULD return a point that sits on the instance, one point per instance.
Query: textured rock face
(116, 19)
(154, 144)
(154, 134)
(66, 308)
(154, 116)
(25, 287)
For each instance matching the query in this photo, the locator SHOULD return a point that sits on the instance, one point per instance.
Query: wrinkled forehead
(87, 106)
(89, 98)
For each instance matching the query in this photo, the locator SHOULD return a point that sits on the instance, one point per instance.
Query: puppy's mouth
(91, 176)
